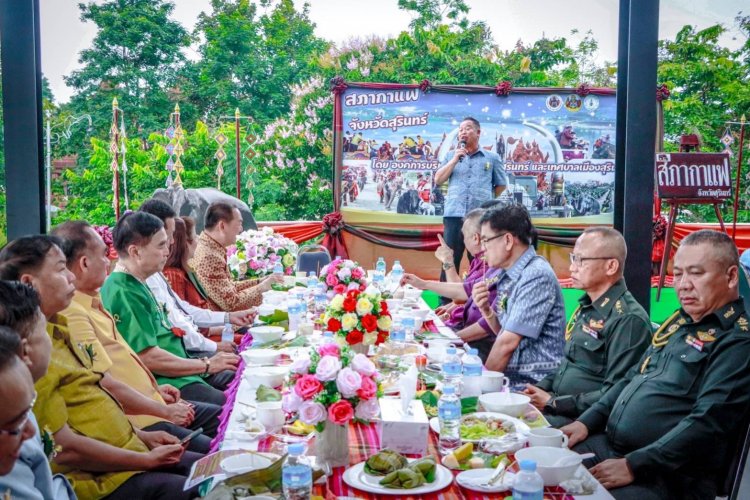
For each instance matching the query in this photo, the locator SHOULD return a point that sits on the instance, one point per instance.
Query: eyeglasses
(484, 241)
(19, 429)
(578, 260)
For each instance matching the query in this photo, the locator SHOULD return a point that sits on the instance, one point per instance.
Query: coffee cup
(548, 436)
(270, 414)
(494, 381)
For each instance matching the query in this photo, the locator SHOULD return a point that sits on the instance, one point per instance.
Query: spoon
(572, 459)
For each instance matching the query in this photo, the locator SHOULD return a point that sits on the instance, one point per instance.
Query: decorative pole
(174, 148)
(124, 164)
(739, 177)
(114, 148)
(237, 146)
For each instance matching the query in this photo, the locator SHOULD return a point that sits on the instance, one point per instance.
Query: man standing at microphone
(474, 176)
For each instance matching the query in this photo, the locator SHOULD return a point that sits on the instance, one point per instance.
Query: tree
(249, 61)
(429, 14)
(134, 57)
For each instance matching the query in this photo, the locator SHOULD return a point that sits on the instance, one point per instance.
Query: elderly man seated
(90, 324)
(96, 446)
(606, 335)
(527, 314)
(141, 243)
(223, 223)
(666, 429)
(466, 318)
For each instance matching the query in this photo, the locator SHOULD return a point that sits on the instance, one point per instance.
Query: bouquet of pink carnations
(342, 275)
(255, 254)
(334, 385)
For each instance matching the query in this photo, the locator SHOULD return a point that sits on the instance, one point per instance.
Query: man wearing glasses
(605, 336)
(527, 315)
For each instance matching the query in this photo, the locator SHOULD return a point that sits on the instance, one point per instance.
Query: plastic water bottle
(397, 272)
(227, 334)
(296, 475)
(312, 281)
(380, 265)
(302, 299)
(321, 301)
(528, 484)
(327, 337)
(408, 325)
(452, 369)
(398, 334)
(472, 369)
(278, 268)
(295, 314)
(449, 414)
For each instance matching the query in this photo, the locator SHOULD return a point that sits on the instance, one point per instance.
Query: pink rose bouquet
(255, 253)
(342, 275)
(333, 385)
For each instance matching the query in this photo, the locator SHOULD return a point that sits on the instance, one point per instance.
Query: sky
(64, 35)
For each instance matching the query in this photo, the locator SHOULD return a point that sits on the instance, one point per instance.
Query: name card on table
(407, 434)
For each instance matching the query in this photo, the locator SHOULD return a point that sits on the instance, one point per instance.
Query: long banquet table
(363, 442)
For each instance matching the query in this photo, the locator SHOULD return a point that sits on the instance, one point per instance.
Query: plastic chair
(312, 258)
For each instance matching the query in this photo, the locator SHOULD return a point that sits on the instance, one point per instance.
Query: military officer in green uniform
(667, 429)
(605, 336)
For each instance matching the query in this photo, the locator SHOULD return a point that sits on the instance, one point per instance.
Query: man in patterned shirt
(527, 316)
(222, 225)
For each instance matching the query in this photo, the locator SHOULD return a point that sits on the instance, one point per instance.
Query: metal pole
(48, 165)
(237, 146)
(739, 178)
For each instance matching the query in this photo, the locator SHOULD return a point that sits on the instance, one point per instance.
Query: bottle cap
(297, 449)
(451, 350)
(328, 333)
(528, 465)
(449, 389)
(472, 351)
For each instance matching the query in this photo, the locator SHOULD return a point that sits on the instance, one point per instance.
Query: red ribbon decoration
(583, 90)
(662, 93)
(503, 88)
(338, 85)
(333, 223)
(425, 85)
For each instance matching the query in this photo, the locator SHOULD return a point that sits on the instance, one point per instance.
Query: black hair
(722, 244)
(8, 355)
(493, 203)
(136, 228)
(158, 208)
(73, 238)
(19, 307)
(217, 212)
(25, 254)
(473, 120)
(514, 219)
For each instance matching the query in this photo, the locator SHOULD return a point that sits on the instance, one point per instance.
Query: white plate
(520, 426)
(470, 480)
(356, 477)
(246, 462)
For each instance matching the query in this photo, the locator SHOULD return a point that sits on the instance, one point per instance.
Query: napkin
(407, 388)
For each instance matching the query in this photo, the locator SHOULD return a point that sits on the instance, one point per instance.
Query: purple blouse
(468, 313)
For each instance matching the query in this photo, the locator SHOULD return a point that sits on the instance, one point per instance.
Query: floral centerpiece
(328, 389)
(342, 275)
(359, 319)
(255, 254)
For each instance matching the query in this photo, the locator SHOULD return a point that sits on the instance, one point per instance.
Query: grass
(659, 310)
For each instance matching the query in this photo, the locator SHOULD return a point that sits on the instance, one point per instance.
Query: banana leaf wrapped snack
(426, 467)
(385, 462)
(403, 479)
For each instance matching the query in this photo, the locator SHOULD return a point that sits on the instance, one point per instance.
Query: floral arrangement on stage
(342, 275)
(332, 384)
(255, 254)
(358, 318)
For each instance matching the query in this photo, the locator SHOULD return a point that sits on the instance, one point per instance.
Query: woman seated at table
(465, 318)
(178, 272)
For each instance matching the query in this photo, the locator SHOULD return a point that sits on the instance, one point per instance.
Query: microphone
(462, 144)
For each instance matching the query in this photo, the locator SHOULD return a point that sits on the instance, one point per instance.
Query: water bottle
(302, 299)
(278, 268)
(449, 414)
(294, 310)
(380, 265)
(321, 301)
(227, 334)
(452, 369)
(398, 334)
(312, 281)
(296, 475)
(472, 369)
(408, 325)
(528, 484)
(397, 272)
(327, 337)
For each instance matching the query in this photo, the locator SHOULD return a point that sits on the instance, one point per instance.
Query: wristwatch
(447, 265)
(208, 364)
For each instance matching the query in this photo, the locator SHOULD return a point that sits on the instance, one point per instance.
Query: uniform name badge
(694, 343)
(590, 331)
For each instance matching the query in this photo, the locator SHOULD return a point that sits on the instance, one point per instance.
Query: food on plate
(299, 428)
(265, 393)
(414, 475)
(476, 463)
(464, 458)
(385, 462)
(478, 427)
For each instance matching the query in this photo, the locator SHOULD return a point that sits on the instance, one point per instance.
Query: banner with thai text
(558, 149)
(694, 176)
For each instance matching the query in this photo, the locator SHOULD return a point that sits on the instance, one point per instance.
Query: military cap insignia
(618, 307)
(742, 321)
